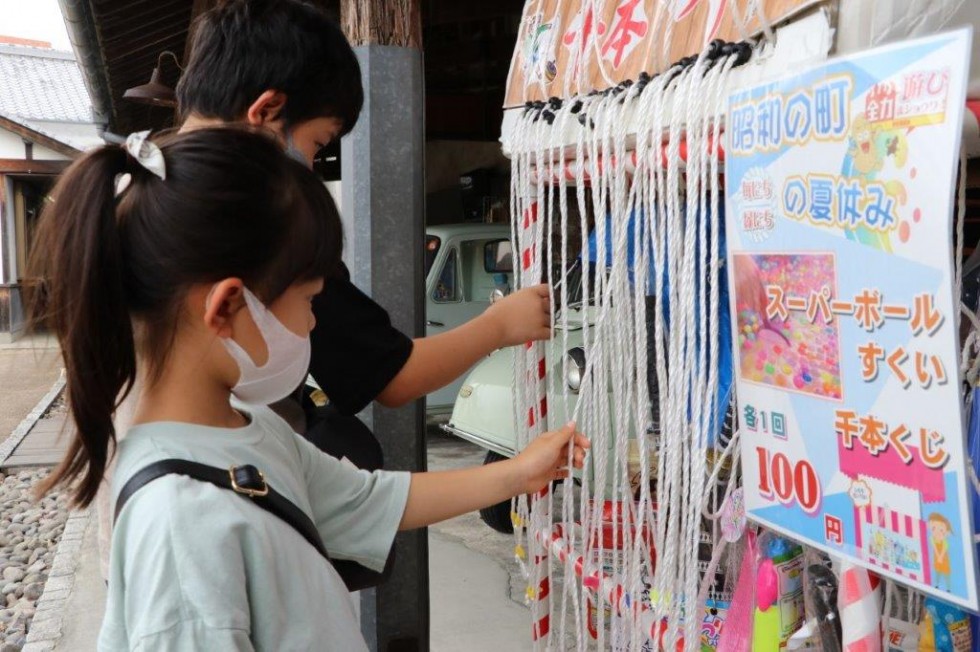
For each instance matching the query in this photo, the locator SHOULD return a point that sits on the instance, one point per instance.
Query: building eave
(35, 136)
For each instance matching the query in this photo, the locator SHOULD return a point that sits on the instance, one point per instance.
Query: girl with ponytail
(188, 263)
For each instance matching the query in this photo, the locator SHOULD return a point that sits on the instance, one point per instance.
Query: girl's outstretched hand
(546, 458)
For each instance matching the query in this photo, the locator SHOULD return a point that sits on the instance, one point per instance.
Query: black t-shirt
(356, 350)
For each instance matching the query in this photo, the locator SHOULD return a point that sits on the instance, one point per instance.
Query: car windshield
(576, 287)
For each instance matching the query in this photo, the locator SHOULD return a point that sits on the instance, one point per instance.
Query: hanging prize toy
(944, 628)
(736, 633)
(901, 634)
(765, 621)
(823, 589)
(785, 557)
(857, 602)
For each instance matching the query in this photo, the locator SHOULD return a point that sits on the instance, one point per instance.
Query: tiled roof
(43, 90)
(39, 84)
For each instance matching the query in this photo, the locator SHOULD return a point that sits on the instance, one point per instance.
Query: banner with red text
(568, 47)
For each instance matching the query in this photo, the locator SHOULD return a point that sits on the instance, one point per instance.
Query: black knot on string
(715, 48)
(743, 52)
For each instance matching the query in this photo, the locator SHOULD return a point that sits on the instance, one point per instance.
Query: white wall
(42, 153)
(12, 146)
(334, 188)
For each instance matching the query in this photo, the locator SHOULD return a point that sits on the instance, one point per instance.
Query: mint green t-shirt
(198, 567)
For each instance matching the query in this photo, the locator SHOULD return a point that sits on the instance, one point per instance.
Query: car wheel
(497, 516)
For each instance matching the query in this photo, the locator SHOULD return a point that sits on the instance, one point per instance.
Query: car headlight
(575, 368)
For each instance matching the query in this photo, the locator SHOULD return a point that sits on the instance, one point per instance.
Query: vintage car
(465, 264)
(484, 409)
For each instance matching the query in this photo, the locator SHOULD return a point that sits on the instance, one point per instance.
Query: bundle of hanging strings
(618, 561)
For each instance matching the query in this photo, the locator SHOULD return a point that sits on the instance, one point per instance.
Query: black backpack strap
(245, 480)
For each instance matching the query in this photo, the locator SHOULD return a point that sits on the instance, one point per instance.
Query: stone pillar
(383, 193)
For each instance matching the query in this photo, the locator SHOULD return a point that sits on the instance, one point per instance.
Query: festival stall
(777, 365)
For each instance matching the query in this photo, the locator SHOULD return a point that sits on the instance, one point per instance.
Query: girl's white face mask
(286, 367)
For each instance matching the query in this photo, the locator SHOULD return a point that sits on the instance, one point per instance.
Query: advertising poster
(839, 186)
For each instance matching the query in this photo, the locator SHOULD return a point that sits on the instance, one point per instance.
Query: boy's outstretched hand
(546, 458)
(523, 316)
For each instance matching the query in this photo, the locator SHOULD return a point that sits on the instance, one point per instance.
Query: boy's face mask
(284, 370)
(294, 152)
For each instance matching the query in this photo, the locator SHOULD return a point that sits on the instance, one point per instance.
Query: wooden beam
(20, 166)
(37, 137)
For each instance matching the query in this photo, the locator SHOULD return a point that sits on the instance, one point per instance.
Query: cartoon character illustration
(863, 148)
(877, 548)
(869, 146)
(912, 559)
(939, 530)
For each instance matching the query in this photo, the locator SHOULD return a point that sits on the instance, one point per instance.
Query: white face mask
(286, 367)
(294, 152)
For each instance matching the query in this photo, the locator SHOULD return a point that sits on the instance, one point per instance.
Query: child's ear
(266, 109)
(224, 300)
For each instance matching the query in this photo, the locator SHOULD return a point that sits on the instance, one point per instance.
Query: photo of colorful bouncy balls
(779, 345)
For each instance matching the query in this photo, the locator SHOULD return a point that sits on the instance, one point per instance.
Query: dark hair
(242, 48)
(232, 205)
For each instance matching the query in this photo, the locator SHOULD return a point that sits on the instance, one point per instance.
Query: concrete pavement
(470, 602)
(28, 368)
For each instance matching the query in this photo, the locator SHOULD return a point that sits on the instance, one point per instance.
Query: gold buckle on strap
(248, 491)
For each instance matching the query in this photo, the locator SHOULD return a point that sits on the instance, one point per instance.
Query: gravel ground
(29, 534)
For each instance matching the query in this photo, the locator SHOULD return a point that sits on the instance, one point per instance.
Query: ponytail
(78, 254)
(232, 205)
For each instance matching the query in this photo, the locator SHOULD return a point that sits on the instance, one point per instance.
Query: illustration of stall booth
(891, 508)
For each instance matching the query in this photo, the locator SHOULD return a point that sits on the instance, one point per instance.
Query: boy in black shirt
(285, 66)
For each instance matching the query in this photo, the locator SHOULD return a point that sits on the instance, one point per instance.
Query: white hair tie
(147, 154)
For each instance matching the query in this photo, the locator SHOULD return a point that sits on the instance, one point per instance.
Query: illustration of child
(939, 529)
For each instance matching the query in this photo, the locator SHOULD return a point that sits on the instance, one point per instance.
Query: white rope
(760, 11)
(740, 24)
(656, 230)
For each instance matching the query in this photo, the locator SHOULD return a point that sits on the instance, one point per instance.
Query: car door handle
(435, 323)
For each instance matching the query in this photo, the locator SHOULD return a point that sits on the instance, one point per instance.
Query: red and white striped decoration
(601, 584)
(574, 168)
(860, 610)
(539, 591)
